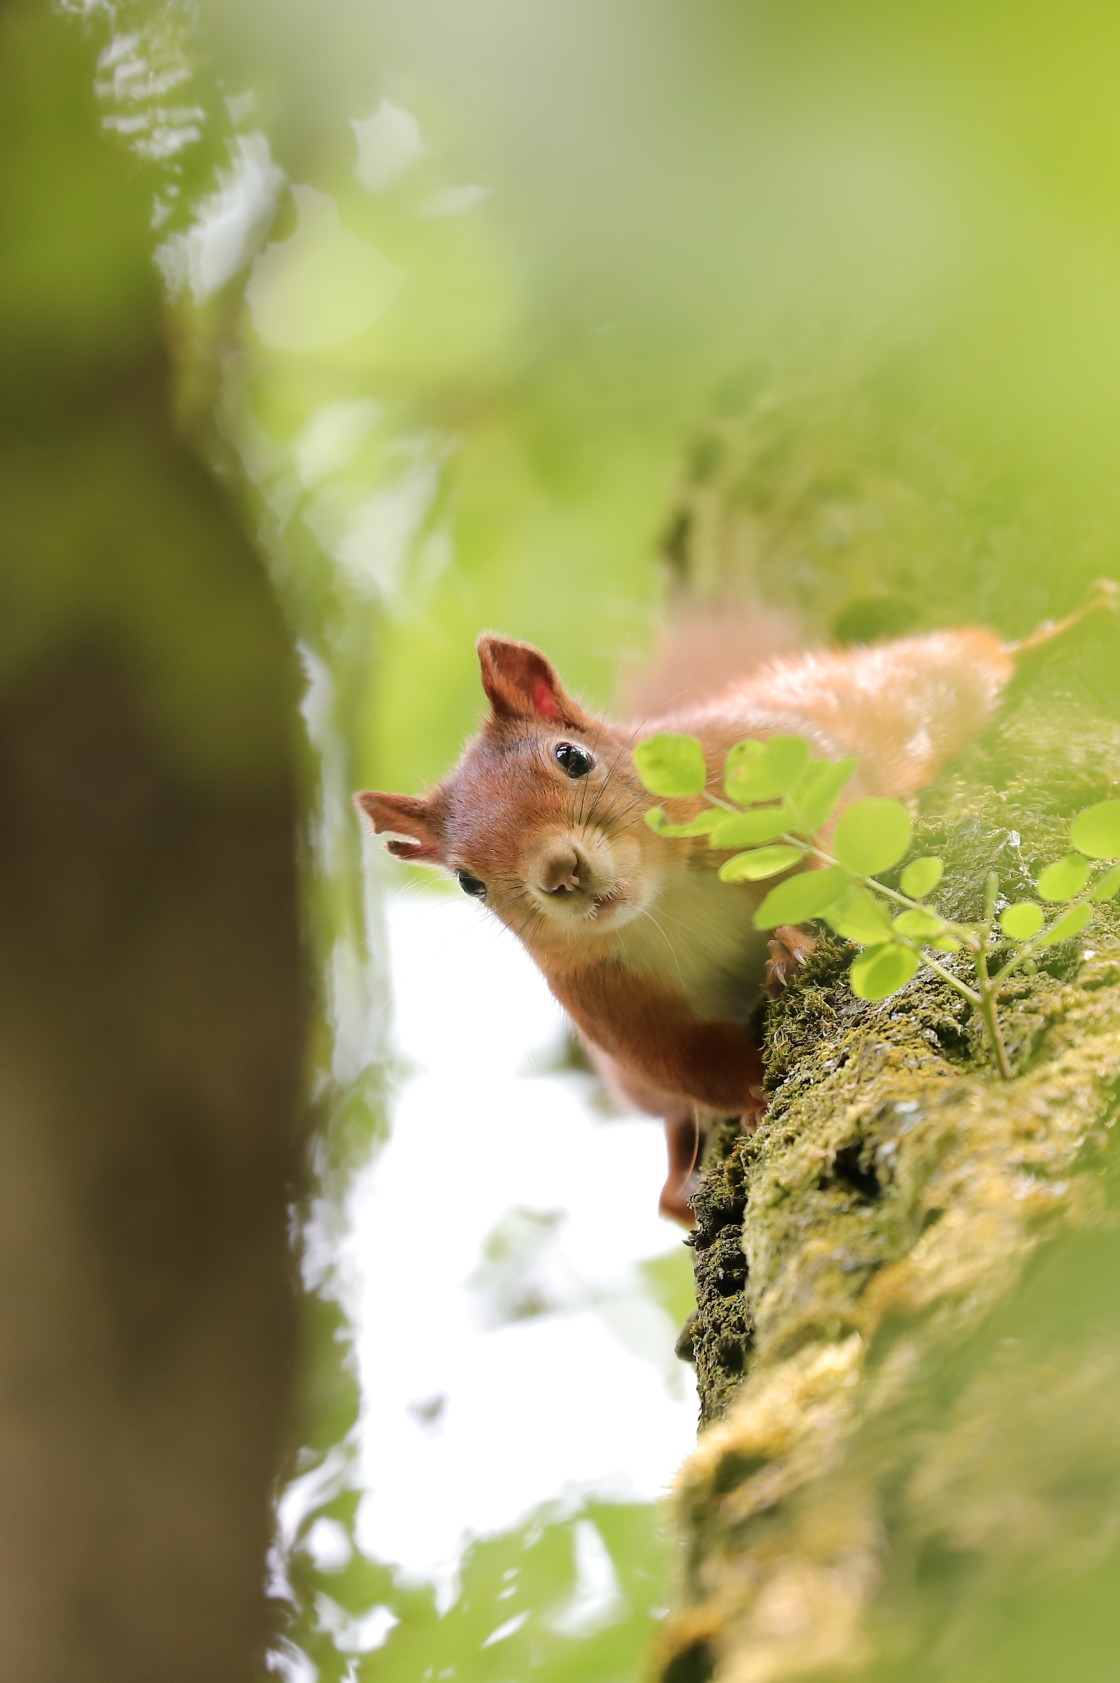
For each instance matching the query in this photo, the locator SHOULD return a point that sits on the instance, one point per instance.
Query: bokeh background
(454, 289)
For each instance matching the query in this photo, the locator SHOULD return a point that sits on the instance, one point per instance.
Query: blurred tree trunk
(908, 1334)
(151, 998)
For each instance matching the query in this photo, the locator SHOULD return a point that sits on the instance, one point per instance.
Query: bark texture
(908, 1334)
(152, 1015)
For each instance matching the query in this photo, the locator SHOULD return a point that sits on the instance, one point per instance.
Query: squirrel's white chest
(698, 934)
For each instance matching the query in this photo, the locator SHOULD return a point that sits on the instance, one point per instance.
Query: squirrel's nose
(558, 872)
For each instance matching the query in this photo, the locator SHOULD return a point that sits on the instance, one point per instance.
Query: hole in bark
(849, 1170)
(869, 618)
(1062, 962)
(675, 543)
(705, 457)
(931, 1219)
(733, 1358)
(715, 1221)
(735, 1470)
(727, 1281)
(952, 1039)
(693, 1664)
(832, 1330)
(938, 1564)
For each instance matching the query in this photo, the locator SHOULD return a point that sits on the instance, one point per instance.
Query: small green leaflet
(746, 777)
(804, 896)
(761, 771)
(1096, 831)
(787, 760)
(1022, 920)
(858, 916)
(702, 825)
(882, 970)
(747, 829)
(815, 797)
(922, 876)
(919, 924)
(763, 862)
(671, 764)
(1108, 885)
(872, 835)
(1071, 922)
(1064, 879)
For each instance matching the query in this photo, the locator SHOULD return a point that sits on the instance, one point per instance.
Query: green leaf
(746, 776)
(761, 771)
(1096, 831)
(858, 916)
(919, 924)
(671, 764)
(1108, 885)
(872, 835)
(747, 829)
(922, 876)
(882, 970)
(702, 825)
(763, 862)
(1022, 920)
(814, 798)
(787, 760)
(947, 944)
(1070, 923)
(1061, 881)
(806, 895)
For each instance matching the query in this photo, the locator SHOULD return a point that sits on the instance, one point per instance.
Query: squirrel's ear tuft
(521, 684)
(414, 825)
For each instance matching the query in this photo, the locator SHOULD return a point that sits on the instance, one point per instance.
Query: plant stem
(990, 1016)
(963, 932)
(989, 988)
(974, 999)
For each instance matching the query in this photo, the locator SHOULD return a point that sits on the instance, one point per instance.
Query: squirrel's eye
(471, 885)
(574, 761)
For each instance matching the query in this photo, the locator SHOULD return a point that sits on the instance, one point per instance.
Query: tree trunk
(152, 1019)
(908, 1325)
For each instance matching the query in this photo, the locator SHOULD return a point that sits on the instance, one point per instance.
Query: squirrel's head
(542, 817)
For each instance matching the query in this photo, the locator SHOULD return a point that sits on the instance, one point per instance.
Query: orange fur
(657, 962)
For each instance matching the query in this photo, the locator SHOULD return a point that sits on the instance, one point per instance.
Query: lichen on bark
(908, 1358)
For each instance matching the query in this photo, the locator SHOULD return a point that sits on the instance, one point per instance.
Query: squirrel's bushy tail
(702, 648)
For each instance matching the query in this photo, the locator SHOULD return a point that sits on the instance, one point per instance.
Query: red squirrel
(657, 962)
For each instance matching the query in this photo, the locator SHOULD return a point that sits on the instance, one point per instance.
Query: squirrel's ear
(414, 825)
(521, 684)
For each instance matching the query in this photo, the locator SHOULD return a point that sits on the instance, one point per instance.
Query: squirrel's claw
(789, 948)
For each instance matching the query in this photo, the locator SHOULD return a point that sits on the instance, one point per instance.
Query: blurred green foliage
(533, 241)
(521, 1608)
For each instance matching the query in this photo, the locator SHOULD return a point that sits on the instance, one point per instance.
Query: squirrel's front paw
(789, 948)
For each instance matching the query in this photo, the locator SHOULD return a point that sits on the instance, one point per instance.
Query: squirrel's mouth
(605, 904)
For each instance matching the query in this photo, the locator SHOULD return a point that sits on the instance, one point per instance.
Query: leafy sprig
(778, 797)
